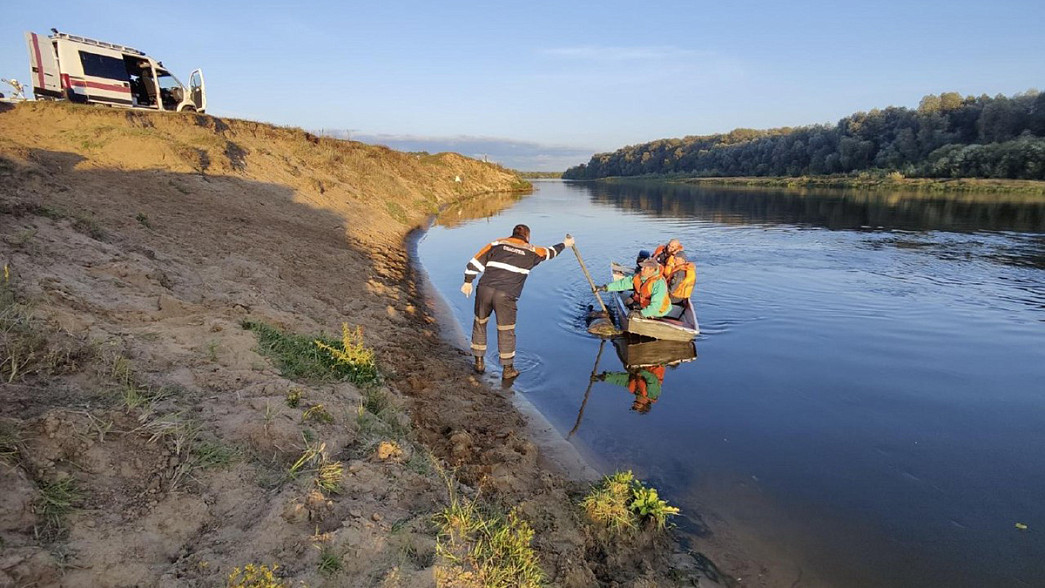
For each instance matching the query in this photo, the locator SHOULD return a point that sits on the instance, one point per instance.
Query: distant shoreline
(540, 175)
(1031, 187)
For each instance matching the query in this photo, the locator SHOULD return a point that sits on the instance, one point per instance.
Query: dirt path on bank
(136, 246)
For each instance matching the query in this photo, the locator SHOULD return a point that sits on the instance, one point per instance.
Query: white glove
(568, 241)
(466, 289)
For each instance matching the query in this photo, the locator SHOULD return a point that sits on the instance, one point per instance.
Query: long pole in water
(590, 281)
(591, 380)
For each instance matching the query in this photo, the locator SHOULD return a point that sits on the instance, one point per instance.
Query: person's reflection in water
(644, 383)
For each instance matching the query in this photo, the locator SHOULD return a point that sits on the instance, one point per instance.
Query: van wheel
(189, 109)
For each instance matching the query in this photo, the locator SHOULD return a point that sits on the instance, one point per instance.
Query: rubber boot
(509, 372)
(480, 365)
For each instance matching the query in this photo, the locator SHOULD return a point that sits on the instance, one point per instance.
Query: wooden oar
(601, 325)
(590, 281)
(591, 381)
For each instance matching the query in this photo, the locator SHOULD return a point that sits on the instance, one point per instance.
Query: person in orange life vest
(681, 279)
(665, 256)
(650, 292)
(679, 273)
(645, 383)
(504, 263)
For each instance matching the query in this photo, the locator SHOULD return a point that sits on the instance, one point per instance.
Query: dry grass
(329, 476)
(317, 413)
(482, 547)
(312, 455)
(255, 576)
(328, 473)
(607, 503)
(29, 346)
(294, 397)
(621, 503)
(11, 442)
(379, 419)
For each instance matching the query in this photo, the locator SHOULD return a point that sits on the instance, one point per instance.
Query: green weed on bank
(57, 499)
(621, 503)
(320, 358)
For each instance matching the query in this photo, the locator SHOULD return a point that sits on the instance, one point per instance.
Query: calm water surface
(867, 406)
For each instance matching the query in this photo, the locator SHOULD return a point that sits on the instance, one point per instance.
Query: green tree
(929, 104)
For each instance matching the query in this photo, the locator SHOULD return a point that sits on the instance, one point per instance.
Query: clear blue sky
(565, 78)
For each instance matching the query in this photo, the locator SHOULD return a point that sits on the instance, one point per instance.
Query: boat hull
(684, 328)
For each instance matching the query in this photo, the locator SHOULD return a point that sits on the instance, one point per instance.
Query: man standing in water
(504, 263)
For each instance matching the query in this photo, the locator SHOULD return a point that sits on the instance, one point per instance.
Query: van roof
(96, 43)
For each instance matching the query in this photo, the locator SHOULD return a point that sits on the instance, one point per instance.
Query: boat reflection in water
(645, 362)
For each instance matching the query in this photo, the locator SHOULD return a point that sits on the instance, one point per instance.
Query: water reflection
(645, 362)
(868, 403)
(484, 206)
(1020, 251)
(832, 209)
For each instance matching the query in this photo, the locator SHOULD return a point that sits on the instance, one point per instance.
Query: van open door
(197, 91)
(47, 80)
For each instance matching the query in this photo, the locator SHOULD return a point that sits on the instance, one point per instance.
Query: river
(867, 402)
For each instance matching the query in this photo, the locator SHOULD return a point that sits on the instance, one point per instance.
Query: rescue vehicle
(87, 71)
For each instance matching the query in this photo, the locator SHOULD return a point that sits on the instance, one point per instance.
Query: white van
(67, 67)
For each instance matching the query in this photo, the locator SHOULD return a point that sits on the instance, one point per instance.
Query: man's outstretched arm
(546, 253)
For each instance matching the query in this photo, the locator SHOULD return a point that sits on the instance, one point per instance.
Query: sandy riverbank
(137, 247)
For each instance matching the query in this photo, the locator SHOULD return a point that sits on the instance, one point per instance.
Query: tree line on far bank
(947, 136)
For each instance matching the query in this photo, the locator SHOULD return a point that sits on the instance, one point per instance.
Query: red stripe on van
(100, 86)
(39, 62)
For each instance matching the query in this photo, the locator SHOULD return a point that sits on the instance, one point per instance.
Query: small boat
(683, 328)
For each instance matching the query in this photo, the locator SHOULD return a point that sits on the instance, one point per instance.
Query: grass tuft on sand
(317, 358)
(11, 442)
(57, 499)
(29, 346)
(329, 562)
(254, 576)
(483, 547)
(621, 503)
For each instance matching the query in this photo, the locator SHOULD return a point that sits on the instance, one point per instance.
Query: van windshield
(171, 90)
(167, 80)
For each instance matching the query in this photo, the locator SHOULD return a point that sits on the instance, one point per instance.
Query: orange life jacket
(644, 292)
(685, 276)
(638, 386)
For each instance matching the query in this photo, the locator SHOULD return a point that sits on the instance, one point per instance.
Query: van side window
(103, 66)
